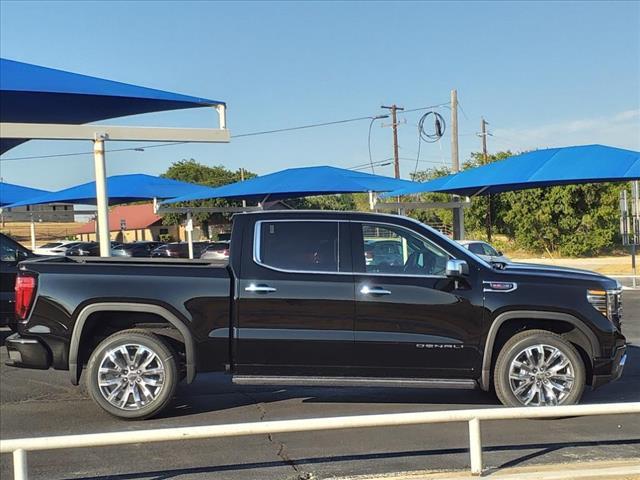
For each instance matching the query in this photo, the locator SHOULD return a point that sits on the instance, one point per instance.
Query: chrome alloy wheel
(131, 376)
(541, 375)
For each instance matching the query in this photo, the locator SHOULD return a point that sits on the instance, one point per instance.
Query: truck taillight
(25, 293)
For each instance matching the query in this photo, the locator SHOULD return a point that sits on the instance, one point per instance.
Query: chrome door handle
(259, 288)
(366, 290)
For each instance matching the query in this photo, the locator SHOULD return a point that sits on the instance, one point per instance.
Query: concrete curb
(614, 469)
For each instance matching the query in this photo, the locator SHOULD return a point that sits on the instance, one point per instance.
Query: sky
(543, 74)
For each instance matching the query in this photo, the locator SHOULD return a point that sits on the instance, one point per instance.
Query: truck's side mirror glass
(457, 268)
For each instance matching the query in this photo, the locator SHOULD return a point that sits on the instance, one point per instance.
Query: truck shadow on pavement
(214, 392)
(540, 450)
(206, 396)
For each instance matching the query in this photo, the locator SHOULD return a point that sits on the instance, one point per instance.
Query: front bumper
(609, 369)
(27, 353)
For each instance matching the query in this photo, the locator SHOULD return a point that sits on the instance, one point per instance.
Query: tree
(573, 220)
(194, 172)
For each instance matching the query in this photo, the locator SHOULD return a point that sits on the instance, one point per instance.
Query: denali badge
(439, 345)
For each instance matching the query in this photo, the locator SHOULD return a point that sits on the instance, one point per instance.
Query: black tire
(166, 359)
(515, 347)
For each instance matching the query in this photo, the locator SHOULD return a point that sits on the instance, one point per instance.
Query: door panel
(292, 321)
(410, 324)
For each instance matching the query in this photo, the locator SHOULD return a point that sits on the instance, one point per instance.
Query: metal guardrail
(21, 446)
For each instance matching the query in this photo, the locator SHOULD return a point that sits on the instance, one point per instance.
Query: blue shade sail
(121, 188)
(34, 94)
(540, 168)
(10, 193)
(300, 182)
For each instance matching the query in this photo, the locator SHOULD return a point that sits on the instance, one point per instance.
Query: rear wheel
(132, 374)
(539, 368)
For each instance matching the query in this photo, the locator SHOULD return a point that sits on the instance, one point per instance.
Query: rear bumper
(609, 369)
(27, 353)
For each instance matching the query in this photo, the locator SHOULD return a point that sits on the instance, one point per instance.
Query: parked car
(297, 304)
(216, 251)
(179, 250)
(485, 251)
(88, 249)
(11, 252)
(135, 249)
(58, 248)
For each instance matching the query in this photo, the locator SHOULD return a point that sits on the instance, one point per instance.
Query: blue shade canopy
(10, 193)
(122, 189)
(300, 182)
(34, 94)
(540, 168)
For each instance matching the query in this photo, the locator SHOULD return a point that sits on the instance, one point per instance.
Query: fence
(21, 446)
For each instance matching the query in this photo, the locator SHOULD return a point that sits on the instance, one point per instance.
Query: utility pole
(485, 156)
(394, 125)
(458, 212)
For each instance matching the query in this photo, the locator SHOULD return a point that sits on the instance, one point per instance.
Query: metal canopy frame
(99, 134)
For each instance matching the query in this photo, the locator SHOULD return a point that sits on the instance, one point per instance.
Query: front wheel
(539, 368)
(132, 374)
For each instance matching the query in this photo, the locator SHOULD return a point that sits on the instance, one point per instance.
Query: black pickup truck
(304, 300)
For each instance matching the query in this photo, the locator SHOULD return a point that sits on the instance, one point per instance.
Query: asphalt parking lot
(36, 403)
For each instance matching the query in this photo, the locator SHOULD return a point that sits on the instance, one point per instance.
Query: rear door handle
(366, 290)
(259, 288)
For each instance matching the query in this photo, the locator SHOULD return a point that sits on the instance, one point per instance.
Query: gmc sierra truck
(308, 298)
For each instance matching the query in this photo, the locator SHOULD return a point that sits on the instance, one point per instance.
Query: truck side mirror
(457, 268)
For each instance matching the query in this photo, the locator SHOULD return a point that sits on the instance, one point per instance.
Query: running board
(462, 384)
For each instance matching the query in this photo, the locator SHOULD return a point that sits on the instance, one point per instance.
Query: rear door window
(299, 246)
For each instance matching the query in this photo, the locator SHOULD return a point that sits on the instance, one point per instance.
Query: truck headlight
(598, 298)
(607, 302)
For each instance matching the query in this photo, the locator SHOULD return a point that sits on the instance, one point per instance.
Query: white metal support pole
(102, 196)
(33, 233)
(20, 464)
(189, 230)
(222, 116)
(475, 446)
(635, 230)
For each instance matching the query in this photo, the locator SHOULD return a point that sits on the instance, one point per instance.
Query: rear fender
(86, 312)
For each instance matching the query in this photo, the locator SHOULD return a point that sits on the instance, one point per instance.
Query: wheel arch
(86, 312)
(580, 335)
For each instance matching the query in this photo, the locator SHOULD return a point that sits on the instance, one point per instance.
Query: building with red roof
(130, 223)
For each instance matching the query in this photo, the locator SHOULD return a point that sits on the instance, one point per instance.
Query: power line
(302, 127)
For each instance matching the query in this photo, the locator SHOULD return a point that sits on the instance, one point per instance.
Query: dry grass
(45, 231)
(606, 265)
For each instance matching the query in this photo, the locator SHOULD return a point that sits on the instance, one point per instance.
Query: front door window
(391, 250)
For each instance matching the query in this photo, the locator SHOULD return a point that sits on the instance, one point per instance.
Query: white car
(484, 251)
(58, 248)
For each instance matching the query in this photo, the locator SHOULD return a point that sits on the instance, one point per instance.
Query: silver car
(58, 248)
(216, 251)
(484, 251)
